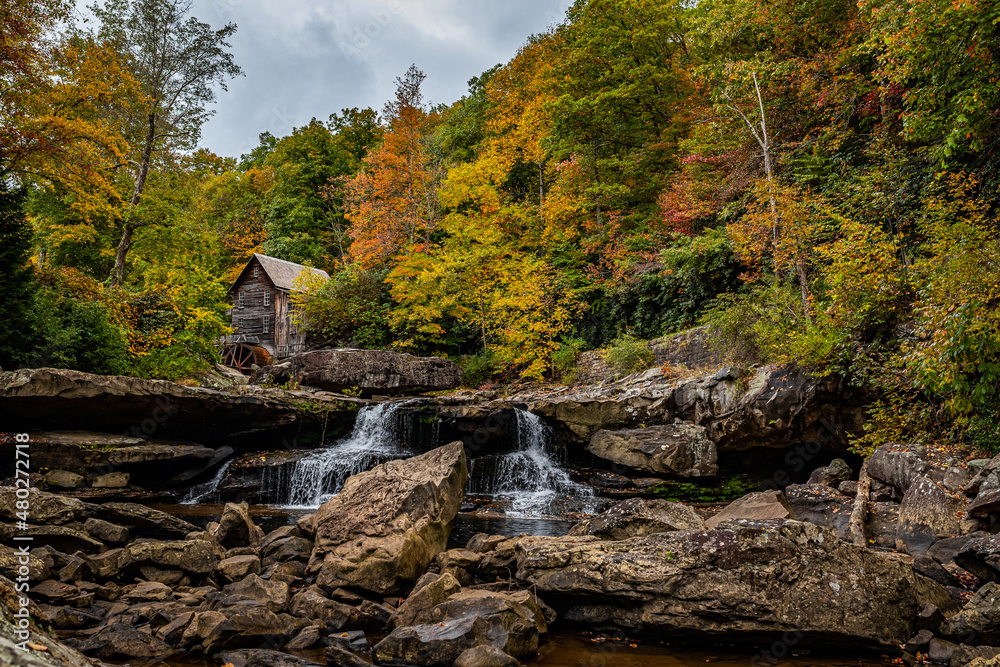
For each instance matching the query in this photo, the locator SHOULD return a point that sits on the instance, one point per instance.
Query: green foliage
(726, 490)
(349, 310)
(477, 369)
(18, 315)
(628, 355)
(691, 272)
(983, 430)
(564, 359)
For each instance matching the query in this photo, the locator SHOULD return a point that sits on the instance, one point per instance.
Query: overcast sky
(311, 58)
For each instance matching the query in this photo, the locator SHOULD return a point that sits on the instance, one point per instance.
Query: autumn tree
(177, 61)
(391, 203)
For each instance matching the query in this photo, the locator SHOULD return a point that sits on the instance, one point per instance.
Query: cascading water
(201, 491)
(317, 477)
(530, 479)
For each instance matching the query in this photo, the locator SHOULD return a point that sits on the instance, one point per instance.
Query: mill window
(255, 272)
(267, 324)
(243, 299)
(267, 297)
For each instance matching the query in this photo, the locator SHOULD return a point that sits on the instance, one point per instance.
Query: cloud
(311, 58)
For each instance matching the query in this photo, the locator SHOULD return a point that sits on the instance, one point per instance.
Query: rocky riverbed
(368, 577)
(893, 556)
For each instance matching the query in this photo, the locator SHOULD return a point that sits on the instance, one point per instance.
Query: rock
(63, 479)
(386, 525)
(831, 475)
(308, 638)
(208, 629)
(975, 656)
(143, 521)
(481, 543)
(121, 641)
(929, 618)
(940, 651)
(352, 640)
(759, 505)
(56, 654)
(467, 619)
(312, 604)
(743, 578)
(288, 548)
(236, 528)
(64, 538)
(932, 569)
(272, 594)
(435, 590)
(55, 592)
(46, 508)
(340, 657)
(148, 591)
(49, 398)
(848, 488)
(637, 517)
(307, 525)
(259, 657)
(485, 656)
(105, 565)
(926, 512)
(821, 505)
(979, 620)
(901, 465)
(374, 371)
(883, 522)
(111, 480)
(238, 567)
(11, 563)
(919, 642)
(981, 557)
(106, 531)
(675, 449)
(192, 556)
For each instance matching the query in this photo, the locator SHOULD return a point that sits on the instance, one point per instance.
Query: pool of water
(593, 650)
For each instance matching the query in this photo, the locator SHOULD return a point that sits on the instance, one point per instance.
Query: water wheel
(243, 355)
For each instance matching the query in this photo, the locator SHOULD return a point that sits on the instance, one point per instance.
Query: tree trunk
(118, 273)
(859, 533)
(800, 269)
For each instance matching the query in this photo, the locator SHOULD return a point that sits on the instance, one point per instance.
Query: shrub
(477, 369)
(564, 359)
(628, 355)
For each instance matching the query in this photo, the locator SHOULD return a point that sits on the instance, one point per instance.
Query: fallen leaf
(37, 647)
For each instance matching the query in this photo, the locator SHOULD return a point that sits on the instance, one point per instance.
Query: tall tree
(177, 60)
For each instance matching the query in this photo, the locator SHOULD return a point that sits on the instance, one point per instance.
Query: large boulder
(636, 517)
(981, 557)
(979, 620)
(745, 578)
(927, 512)
(374, 371)
(674, 449)
(236, 528)
(386, 525)
(510, 622)
(759, 505)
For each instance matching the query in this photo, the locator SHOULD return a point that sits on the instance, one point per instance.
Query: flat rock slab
(374, 371)
(674, 449)
(744, 577)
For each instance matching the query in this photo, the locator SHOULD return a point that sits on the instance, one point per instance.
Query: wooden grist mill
(263, 325)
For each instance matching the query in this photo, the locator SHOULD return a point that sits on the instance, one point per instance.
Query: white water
(201, 491)
(531, 478)
(319, 476)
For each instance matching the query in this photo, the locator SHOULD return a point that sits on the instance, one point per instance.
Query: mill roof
(281, 272)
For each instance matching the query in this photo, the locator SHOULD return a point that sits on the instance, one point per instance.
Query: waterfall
(317, 477)
(531, 479)
(199, 492)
